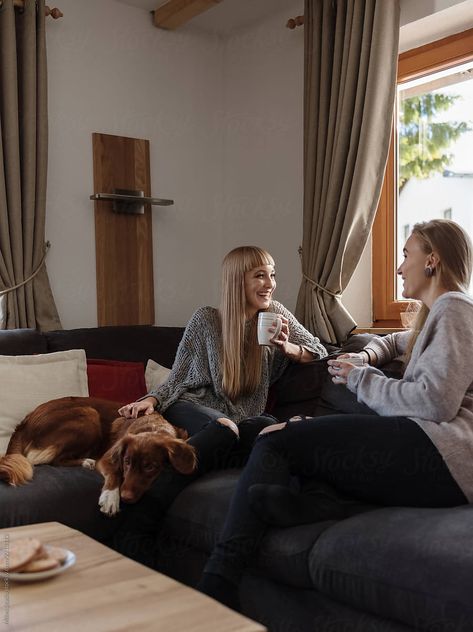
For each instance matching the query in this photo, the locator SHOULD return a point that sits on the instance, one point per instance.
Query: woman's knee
(229, 424)
(284, 435)
(273, 428)
(273, 438)
(280, 426)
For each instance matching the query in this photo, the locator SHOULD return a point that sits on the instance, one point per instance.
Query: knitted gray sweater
(436, 390)
(196, 373)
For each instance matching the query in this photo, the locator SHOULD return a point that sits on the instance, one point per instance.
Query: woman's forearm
(299, 354)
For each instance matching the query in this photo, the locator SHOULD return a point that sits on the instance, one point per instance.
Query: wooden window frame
(414, 63)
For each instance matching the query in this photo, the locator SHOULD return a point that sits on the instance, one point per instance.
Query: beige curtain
(23, 169)
(351, 49)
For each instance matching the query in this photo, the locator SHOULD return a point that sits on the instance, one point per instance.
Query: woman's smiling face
(260, 284)
(412, 269)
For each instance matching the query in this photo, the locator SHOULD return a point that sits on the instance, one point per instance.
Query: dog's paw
(109, 501)
(89, 464)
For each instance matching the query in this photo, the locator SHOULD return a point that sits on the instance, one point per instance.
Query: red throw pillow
(117, 381)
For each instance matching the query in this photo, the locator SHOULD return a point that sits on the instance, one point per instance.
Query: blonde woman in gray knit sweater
(219, 383)
(415, 449)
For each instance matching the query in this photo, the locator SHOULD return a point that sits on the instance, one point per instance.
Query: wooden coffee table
(104, 591)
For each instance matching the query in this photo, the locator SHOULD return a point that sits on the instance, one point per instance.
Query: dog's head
(142, 458)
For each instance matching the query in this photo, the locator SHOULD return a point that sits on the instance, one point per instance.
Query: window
(430, 165)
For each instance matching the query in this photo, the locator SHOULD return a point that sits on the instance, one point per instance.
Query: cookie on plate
(57, 553)
(43, 564)
(18, 553)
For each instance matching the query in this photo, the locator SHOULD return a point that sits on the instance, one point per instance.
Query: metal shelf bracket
(128, 201)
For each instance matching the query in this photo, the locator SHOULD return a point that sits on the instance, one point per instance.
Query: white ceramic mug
(265, 322)
(357, 361)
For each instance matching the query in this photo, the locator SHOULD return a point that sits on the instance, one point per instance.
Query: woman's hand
(358, 359)
(282, 339)
(341, 367)
(143, 407)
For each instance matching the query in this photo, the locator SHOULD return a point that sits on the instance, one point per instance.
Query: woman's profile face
(412, 269)
(260, 284)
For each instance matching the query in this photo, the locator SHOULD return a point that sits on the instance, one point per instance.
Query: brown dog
(130, 453)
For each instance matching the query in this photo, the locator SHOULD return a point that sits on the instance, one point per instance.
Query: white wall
(413, 10)
(112, 71)
(425, 21)
(224, 119)
(263, 139)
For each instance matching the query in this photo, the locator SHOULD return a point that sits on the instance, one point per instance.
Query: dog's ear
(116, 452)
(182, 456)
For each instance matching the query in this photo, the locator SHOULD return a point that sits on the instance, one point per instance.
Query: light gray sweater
(196, 373)
(436, 390)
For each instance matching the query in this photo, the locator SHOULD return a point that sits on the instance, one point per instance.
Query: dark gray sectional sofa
(379, 570)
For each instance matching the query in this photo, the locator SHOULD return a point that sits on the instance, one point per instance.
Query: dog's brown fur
(130, 453)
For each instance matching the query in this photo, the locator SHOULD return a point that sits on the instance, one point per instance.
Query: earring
(429, 271)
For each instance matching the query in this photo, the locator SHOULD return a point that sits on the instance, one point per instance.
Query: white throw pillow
(155, 375)
(27, 381)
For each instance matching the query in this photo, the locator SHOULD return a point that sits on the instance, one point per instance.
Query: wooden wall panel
(123, 242)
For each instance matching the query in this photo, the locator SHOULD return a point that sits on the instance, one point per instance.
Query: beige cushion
(27, 381)
(155, 375)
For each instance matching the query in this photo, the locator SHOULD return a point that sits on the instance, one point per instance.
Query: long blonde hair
(241, 361)
(453, 247)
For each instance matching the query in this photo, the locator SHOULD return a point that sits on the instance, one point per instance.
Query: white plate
(33, 577)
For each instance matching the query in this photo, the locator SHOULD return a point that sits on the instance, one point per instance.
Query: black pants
(381, 460)
(217, 447)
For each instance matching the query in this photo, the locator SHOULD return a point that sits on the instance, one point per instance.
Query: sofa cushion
(337, 399)
(28, 381)
(64, 494)
(356, 342)
(282, 608)
(300, 382)
(407, 564)
(117, 381)
(284, 553)
(22, 342)
(304, 382)
(155, 375)
(197, 514)
(196, 518)
(132, 343)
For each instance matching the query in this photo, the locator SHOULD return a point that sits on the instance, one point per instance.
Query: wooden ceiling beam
(174, 13)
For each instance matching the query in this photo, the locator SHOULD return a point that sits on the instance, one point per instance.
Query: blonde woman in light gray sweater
(416, 449)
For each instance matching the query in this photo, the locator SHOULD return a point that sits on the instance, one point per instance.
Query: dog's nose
(128, 497)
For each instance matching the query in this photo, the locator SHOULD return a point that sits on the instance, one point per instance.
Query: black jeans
(217, 447)
(380, 460)
(214, 450)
